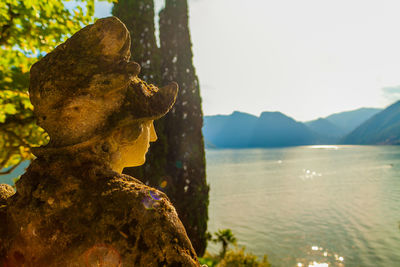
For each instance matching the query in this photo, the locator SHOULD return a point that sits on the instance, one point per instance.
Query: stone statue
(73, 207)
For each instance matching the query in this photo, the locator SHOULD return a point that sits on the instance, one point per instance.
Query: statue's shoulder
(146, 216)
(133, 192)
(127, 179)
(108, 212)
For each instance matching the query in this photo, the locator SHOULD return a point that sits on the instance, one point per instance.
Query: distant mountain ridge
(326, 131)
(275, 129)
(233, 130)
(349, 120)
(381, 129)
(332, 129)
(241, 130)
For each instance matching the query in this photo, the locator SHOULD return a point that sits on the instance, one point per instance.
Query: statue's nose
(153, 134)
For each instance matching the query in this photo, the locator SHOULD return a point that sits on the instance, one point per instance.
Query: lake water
(309, 206)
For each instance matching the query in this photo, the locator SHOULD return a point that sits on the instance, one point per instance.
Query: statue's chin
(142, 162)
(137, 163)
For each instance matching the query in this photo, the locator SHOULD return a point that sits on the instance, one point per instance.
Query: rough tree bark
(186, 156)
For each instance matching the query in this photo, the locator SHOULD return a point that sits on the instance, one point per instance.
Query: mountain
(240, 130)
(233, 130)
(382, 128)
(349, 120)
(326, 131)
(274, 129)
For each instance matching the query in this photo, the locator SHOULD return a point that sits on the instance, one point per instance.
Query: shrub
(239, 258)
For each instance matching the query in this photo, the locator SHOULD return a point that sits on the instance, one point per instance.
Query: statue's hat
(87, 85)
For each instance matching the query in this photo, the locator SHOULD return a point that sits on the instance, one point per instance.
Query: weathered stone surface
(85, 214)
(6, 191)
(89, 84)
(71, 207)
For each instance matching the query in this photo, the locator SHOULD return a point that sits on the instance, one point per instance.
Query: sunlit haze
(307, 59)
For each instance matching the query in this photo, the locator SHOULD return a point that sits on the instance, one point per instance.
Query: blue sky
(305, 58)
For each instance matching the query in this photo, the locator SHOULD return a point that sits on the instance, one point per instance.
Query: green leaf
(10, 109)
(39, 27)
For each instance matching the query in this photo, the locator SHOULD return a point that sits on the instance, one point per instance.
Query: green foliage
(28, 30)
(239, 258)
(209, 259)
(225, 237)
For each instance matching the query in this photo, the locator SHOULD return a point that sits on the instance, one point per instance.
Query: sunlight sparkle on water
(351, 210)
(308, 174)
(318, 253)
(317, 264)
(325, 147)
(339, 258)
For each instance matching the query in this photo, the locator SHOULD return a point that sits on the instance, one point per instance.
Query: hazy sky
(305, 58)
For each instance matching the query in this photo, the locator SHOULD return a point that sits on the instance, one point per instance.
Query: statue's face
(135, 154)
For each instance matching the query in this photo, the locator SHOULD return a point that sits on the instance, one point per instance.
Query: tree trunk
(186, 156)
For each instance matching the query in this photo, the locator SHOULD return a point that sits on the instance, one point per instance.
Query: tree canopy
(28, 30)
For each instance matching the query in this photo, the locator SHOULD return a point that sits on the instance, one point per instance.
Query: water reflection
(309, 174)
(320, 257)
(317, 264)
(344, 200)
(325, 147)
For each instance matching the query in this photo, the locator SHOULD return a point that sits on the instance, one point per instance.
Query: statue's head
(87, 91)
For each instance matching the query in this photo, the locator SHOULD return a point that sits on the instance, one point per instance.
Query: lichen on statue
(73, 207)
